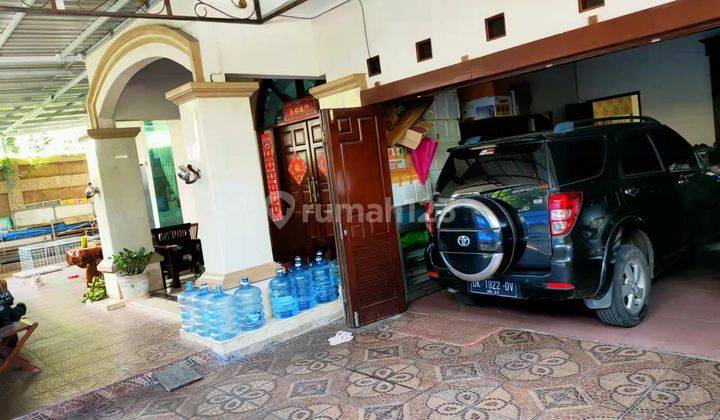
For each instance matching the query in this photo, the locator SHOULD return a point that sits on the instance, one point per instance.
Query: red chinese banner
(271, 174)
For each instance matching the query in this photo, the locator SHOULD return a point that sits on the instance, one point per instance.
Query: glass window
(487, 168)
(675, 152)
(637, 155)
(578, 158)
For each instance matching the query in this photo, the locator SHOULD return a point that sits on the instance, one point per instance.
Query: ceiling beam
(10, 60)
(12, 25)
(41, 107)
(94, 26)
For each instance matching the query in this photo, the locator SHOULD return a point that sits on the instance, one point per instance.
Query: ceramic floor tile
(681, 393)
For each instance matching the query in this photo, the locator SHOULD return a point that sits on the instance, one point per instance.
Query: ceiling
(43, 84)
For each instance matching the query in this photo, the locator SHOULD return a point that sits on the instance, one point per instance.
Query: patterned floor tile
(408, 373)
(309, 363)
(681, 393)
(475, 402)
(241, 397)
(366, 391)
(619, 387)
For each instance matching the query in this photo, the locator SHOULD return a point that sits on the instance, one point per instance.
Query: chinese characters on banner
(297, 168)
(271, 173)
(300, 109)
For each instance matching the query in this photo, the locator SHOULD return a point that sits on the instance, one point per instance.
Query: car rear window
(486, 168)
(578, 158)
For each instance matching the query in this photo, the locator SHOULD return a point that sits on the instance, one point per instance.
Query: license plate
(494, 288)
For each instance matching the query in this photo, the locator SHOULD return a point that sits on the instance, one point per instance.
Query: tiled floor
(684, 314)
(386, 373)
(82, 349)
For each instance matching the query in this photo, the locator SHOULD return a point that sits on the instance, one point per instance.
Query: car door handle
(632, 191)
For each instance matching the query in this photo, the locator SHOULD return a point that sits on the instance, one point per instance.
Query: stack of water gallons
(221, 316)
(218, 315)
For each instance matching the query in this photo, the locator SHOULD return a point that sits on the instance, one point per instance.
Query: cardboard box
(488, 107)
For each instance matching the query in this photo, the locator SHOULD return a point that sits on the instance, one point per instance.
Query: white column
(120, 209)
(220, 141)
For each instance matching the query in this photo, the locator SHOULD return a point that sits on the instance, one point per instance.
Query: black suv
(590, 211)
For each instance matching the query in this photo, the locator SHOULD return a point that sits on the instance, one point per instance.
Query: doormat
(447, 330)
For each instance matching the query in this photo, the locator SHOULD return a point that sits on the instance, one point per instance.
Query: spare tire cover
(470, 239)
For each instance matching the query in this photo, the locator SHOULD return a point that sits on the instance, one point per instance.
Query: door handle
(632, 191)
(311, 189)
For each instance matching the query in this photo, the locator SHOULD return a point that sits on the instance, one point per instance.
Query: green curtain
(162, 167)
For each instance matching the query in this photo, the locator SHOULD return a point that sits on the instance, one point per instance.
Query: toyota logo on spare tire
(495, 232)
(463, 240)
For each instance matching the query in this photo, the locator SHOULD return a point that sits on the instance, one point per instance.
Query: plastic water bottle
(248, 301)
(283, 295)
(324, 284)
(222, 316)
(306, 291)
(335, 272)
(201, 310)
(186, 300)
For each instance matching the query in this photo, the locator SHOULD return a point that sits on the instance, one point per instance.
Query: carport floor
(683, 317)
(387, 373)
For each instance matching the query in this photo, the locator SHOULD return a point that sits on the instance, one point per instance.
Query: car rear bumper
(563, 281)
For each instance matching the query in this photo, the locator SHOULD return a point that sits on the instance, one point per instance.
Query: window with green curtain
(162, 167)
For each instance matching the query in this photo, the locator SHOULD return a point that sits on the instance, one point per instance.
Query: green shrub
(131, 263)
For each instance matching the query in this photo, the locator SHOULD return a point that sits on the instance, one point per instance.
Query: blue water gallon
(325, 288)
(335, 271)
(283, 295)
(202, 308)
(248, 299)
(186, 300)
(305, 288)
(222, 316)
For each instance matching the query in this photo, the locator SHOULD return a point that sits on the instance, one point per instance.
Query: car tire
(630, 289)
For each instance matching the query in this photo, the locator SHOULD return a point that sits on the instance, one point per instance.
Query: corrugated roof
(26, 85)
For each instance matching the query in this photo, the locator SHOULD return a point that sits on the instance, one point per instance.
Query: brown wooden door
(304, 232)
(367, 241)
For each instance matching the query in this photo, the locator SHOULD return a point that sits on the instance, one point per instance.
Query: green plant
(131, 263)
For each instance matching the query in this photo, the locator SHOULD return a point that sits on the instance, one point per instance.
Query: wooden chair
(8, 333)
(180, 250)
(10, 355)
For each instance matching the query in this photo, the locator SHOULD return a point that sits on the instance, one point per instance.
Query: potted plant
(130, 266)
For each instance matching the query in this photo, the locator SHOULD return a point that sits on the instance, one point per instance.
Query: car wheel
(631, 285)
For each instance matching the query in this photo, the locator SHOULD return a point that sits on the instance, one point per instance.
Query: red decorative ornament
(323, 165)
(297, 168)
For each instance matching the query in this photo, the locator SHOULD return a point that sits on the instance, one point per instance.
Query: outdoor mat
(447, 330)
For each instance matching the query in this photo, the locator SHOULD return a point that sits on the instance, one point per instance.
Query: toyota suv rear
(589, 211)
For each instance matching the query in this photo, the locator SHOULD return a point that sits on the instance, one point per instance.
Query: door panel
(649, 192)
(367, 237)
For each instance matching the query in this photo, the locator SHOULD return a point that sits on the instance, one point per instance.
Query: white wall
(456, 27)
(673, 78)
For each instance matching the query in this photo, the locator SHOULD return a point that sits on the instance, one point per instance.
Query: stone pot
(134, 286)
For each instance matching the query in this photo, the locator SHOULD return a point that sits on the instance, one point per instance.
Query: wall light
(188, 174)
(91, 191)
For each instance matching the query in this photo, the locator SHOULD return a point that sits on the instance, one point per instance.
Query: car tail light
(429, 207)
(564, 210)
(555, 285)
(433, 274)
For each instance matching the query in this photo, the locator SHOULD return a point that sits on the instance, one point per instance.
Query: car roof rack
(567, 126)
